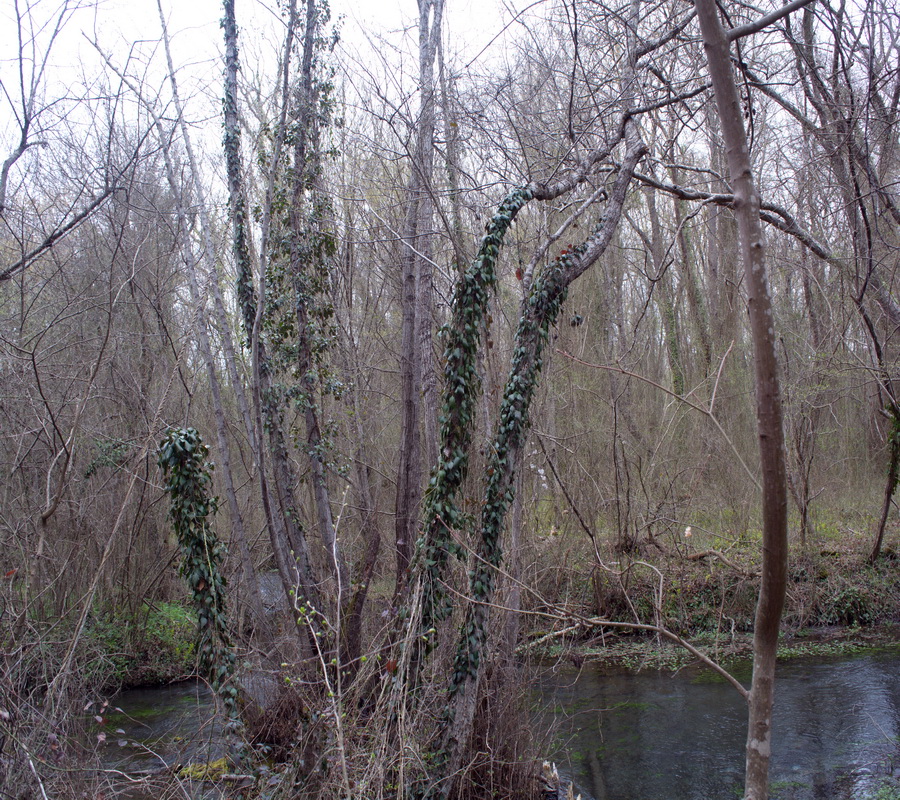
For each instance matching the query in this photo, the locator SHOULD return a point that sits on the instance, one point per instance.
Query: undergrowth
(699, 594)
(154, 646)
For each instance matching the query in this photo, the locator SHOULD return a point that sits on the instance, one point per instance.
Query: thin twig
(682, 398)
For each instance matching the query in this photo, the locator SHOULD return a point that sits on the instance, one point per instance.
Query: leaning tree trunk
(768, 404)
(539, 314)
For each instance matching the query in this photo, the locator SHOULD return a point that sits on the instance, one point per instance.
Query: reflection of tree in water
(597, 783)
(663, 735)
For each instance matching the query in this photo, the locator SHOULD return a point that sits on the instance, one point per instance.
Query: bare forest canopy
(391, 361)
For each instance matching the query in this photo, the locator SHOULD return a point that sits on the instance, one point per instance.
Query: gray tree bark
(768, 404)
(418, 386)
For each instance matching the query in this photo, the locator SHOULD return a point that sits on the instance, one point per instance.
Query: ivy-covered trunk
(287, 537)
(311, 250)
(539, 314)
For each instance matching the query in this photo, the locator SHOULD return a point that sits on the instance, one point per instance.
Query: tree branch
(26, 260)
(765, 21)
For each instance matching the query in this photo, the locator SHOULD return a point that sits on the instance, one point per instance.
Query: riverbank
(837, 603)
(697, 588)
(634, 653)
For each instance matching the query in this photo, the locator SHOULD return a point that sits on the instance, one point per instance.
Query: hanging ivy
(541, 312)
(457, 419)
(183, 458)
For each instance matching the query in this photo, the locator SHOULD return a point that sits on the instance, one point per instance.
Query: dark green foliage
(540, 314)
(461, 389)
(182, 456)
(849, 605)
(298, 319)
(108, 453)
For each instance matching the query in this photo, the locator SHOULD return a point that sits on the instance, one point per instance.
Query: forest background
(536, 432)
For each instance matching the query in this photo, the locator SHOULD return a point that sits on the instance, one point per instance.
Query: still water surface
(626, 736)
(681, 736)
(154, 728)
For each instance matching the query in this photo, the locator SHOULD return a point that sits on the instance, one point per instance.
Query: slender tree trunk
(664, 293)
(416, 361)
(304, 265)
(723, 283)
(353, 374)
(239, 533)
(768, 404)
(371, 535)
(430, 22)
(696, 302)
(890, 488)
(514, 568)
(409, 468)
(461, 247)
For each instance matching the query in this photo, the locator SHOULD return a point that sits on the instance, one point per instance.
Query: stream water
(681, 736)
(626, 736)
(150, 729)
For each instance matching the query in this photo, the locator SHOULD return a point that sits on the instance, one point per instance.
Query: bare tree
(768, 398)
(417, 382)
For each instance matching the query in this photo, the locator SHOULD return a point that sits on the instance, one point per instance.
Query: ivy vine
(183, 458)
(540, 314)
(461, 387)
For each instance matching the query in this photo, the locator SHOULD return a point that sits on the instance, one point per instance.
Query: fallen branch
(716, 554)
(581, 623)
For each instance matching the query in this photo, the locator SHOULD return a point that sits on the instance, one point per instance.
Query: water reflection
(150, 729)
(681, 737)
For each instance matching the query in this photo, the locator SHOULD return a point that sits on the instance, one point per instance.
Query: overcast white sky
(130, 29)
(470, 24)
(377, 37)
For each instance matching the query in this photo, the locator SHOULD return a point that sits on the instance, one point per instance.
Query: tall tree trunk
(696, 302)
(462, 249)
(287, 537)
(353, 374)
(768, 404)
(664, 293)
(305, 262)
(416, 361)
(891, 487)
(239, 533)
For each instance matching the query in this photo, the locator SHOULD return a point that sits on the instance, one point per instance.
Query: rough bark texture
(768, 404)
